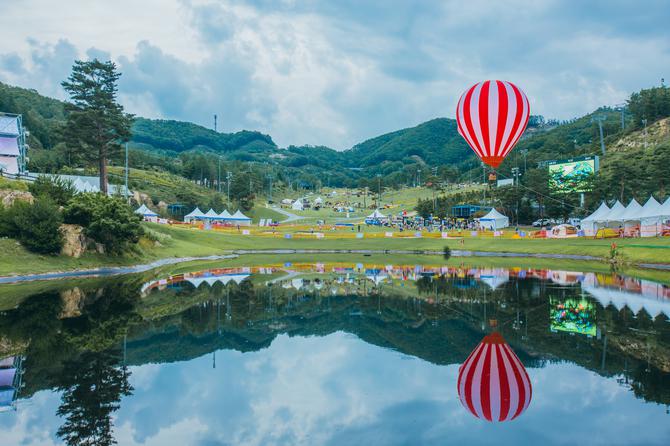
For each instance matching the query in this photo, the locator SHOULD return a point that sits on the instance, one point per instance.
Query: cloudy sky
(338, 72)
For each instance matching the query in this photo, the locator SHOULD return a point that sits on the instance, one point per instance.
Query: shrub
(107, 220)
(57, 189)
(35, 226)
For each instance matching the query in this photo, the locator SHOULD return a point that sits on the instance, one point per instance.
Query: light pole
(228, 176)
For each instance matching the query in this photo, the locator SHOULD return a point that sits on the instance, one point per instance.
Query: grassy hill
(434, 142)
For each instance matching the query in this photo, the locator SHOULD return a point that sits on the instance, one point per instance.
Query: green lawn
(191, 243)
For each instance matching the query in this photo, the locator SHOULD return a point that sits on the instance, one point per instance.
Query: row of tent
(634, 219)
(211, 216)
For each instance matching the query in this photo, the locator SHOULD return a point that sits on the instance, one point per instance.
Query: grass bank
(182, 242)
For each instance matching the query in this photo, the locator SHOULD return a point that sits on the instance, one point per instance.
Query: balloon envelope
(491, 117)
(492, 383)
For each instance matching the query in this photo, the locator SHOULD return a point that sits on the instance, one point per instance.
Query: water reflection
(92, 344)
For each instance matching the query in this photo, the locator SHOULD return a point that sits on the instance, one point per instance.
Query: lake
(337, 353)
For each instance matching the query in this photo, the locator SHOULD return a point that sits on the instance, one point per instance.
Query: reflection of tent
(377, 278)
(589, 224)
(494, 277)
(297, 205)
(636, 302)
(493, 220)
(196, 214)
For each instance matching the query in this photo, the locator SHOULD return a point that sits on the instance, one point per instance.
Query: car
(541, 222)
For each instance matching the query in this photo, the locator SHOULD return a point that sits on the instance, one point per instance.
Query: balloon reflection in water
(492, 383)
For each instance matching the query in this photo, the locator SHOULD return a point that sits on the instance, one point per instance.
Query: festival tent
(649, 218)
(225, 215)
(589, 224)
(631, 216)
(240, 219)
(146, 213)
(196, 214)
(211, 215)
(493, 220)
(318, 200)
(297, 205)
(376, 215)
(614, 215)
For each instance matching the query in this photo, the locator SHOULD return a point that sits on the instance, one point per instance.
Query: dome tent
(297, 205)
(493, 220)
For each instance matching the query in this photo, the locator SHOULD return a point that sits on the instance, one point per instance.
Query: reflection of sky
(339, 390)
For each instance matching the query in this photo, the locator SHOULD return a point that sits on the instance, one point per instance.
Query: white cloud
(336, 73)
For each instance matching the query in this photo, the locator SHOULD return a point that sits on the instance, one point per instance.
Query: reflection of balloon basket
(493, 383)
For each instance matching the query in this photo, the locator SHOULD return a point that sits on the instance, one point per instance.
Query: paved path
(289, 215)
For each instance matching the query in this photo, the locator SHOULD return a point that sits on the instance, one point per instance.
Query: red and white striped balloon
(492, 116)
(492, 383)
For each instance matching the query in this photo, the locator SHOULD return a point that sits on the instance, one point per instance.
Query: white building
(12, 144)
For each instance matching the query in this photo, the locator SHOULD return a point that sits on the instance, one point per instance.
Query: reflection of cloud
(339, 390)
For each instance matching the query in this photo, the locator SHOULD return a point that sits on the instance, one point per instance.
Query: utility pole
(599, 119)
(215, 117)
(126, 175)
(524, 152)
(228, 176)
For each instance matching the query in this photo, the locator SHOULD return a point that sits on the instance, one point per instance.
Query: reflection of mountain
(437, 314)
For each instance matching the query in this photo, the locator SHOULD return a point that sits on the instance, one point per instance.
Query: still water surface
(333, 353)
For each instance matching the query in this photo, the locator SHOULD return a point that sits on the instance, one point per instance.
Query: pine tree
(96, 122)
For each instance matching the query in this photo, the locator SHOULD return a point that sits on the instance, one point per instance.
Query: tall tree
(96, 122)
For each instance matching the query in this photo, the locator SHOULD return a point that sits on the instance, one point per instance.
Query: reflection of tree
(93, 386)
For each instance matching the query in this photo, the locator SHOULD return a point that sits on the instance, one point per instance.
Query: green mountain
(434, 142)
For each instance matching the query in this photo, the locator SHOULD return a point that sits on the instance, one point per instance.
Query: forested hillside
(431, 153)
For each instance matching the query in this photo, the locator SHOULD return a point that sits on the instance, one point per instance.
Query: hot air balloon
(492, 383)
(492, 116)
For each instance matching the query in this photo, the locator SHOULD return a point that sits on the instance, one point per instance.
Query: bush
(35, 226)
(107, 220)
(57, 189)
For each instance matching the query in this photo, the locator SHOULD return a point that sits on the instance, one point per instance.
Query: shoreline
(104, 271)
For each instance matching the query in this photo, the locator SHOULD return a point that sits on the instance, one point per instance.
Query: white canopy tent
(225, 215)
(493, 220)
(376, 215)
(650, 218)
(589, 224)
(196, 214)
(297, 205)
(240, 219)
(614, 215)
(631, 216)
(211, 215)
(146, 213)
